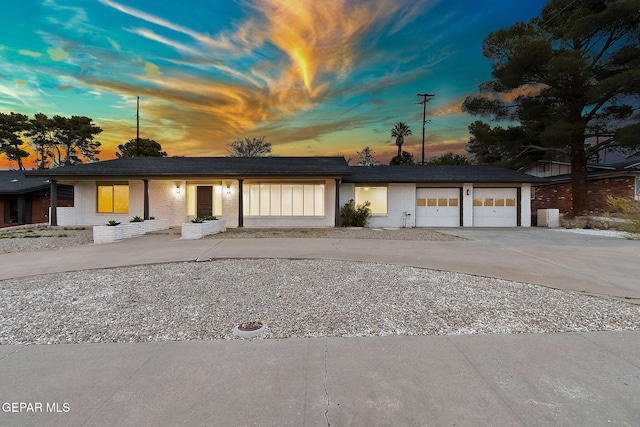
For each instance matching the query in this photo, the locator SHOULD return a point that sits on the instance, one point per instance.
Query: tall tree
(42, 136)
(250, 147)
(147, 148)
(405, 159)
(571, 76)
(12, 129)
(366, 157)
(75, 139)
(504, 147)
(399, 131)
(449, 159)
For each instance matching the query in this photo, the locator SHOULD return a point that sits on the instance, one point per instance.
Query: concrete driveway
(591, 264)
(510, 379)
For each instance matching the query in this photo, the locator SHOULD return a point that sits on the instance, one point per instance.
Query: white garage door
(438, 207)
(495, 207)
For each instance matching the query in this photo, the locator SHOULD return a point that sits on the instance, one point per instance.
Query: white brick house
(290, 192)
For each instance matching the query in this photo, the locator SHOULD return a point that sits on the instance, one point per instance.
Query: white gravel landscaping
(295, 298)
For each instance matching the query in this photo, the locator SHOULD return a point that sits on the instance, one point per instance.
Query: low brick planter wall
(195, 230)
(127, 230)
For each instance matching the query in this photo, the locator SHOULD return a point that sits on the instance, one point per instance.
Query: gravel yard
(295, 298)
(33, 238)
(337, 233)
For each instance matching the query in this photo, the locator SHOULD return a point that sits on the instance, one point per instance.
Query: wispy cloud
(261, 74)
(30, 53)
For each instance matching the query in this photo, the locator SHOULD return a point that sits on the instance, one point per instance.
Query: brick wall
(39, 210)
(558, 196)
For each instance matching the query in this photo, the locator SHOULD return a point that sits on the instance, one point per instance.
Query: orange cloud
(317, 36)
(526, 90)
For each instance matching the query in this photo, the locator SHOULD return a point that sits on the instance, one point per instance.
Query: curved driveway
(591, 264)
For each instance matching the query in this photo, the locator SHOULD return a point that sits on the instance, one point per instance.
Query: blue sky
(315, 77)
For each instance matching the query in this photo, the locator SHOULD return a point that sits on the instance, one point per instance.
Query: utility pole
(425, 98)
(138, 127)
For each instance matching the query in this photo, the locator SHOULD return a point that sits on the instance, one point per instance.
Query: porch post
(240, 203)
(22, 209)
(146, 199)
(53, 194)
(337, 220)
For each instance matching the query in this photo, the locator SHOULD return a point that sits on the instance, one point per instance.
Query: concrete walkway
(521, 380)
(578, 379)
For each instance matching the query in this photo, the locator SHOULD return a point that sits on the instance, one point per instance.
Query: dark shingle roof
(438, 174)
(159, 167)
(14, 182)
(626, 168)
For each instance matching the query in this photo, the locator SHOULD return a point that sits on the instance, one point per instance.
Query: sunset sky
(316, 77)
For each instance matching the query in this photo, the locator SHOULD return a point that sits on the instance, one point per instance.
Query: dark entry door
(204, 201)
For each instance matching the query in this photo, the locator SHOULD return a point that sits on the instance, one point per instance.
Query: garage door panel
(495, 207)
(437, 207)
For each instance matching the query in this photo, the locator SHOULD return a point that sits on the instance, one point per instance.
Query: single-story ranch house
(290, 191)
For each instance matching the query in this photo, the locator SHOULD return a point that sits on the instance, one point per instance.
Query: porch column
(337, 220)
(53, 194)
(240, 203)
(146, 199)
(22, 209)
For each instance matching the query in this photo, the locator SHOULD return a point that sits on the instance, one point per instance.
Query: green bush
(136, 219)
(113, 223)
(197, 220)
(355, 216)
(210, 218)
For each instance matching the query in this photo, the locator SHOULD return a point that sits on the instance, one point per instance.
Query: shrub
(152, 217)
(136, 219)
(210, 218)
(628, 209)
(113, 223)
(197, 220)
(617, 204)
(355, 216)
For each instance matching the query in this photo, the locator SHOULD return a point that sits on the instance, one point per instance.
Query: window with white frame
(283, 199)
(637, 187)
(377, 196)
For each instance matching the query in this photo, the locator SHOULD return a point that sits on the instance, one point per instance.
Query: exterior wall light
(468, 192)
(228, 190)
(177, 189)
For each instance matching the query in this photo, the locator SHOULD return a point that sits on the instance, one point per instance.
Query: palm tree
(399, 131)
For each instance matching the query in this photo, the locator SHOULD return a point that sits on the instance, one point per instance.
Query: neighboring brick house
(616, 179)
(26, 200)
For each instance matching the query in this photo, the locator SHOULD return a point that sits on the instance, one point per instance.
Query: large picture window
(113, 198)
(284, 199)
(376, 195)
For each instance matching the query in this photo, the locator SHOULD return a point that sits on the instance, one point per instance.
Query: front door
(204, 201)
